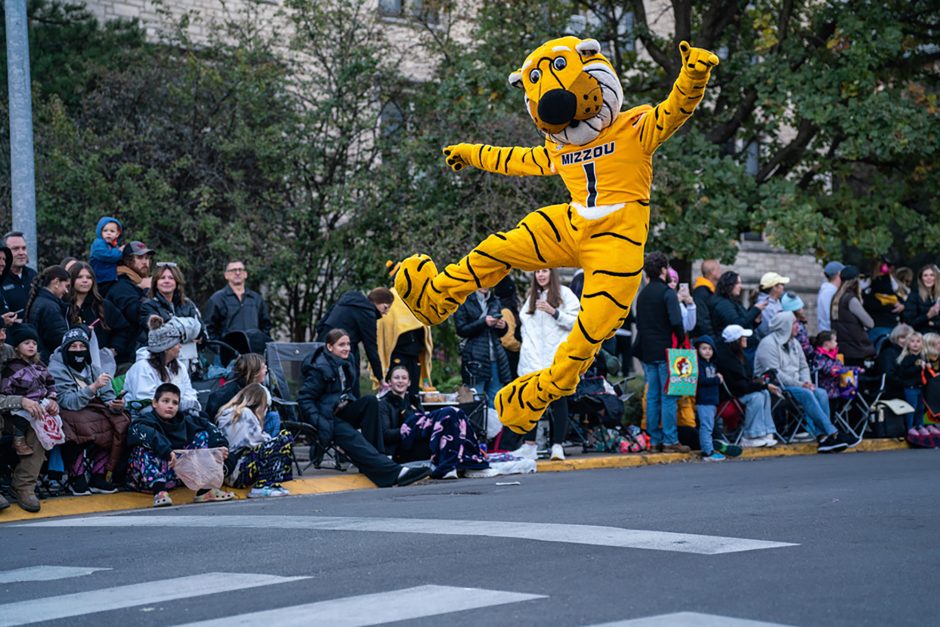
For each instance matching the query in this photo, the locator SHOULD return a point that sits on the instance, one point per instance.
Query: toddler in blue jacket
(706, 397)
(107, 250)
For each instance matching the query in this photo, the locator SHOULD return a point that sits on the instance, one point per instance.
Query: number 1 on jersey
(591, 183)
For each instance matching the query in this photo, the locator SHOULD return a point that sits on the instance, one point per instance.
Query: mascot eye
(559, 63)
(535, 75)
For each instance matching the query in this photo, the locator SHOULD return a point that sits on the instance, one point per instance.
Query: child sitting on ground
(155, 436)
(26, 376)
(106, 251)
(257, 459)
(910, 373)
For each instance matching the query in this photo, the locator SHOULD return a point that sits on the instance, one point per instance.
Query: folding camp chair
(729, 417)
(285, 362)
(860, 411)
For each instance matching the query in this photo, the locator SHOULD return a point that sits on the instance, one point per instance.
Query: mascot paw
(413, 283)
(521, 403)
(698, 62)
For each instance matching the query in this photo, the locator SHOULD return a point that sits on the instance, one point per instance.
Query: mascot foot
(413, 283)
(521, 403)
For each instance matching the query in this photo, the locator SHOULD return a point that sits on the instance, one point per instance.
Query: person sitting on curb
(780, 354)
(154, 438)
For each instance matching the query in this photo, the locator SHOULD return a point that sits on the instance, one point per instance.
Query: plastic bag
(200, 468)
(48, 430)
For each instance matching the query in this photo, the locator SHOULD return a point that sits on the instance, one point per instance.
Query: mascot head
(571, 90)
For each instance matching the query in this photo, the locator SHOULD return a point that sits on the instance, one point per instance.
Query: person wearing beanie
(850, 321)
(157, 364)
(93, 417)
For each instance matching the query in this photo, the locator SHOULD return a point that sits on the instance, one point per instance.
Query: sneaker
(770, 440)
(452, 474)
(714, 456)
(78, 486)
(831, 444)
(728, 450)
(281, 491)
(100, 485)
(558, 452)
(482, 473)
(802, 436)
(527, 451)
(922, 430)
(410, 475)
(162, 499)
(932, 429)
(267, 491)
(676, 448)
(753, 442)
(850, 440)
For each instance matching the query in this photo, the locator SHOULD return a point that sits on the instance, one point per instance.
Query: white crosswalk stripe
(688, 619)
(46, 573)
(594, 535)
(120, 597)
(376, 609)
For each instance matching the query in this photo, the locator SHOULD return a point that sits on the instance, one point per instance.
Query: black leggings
(557, 414)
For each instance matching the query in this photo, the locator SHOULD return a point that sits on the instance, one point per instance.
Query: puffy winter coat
(50, 317)
(780, 352)
(326, 379)
(480, 344)
(542, 334)
(164, 436)
(22, 378)
(725, 311)
(141, 381)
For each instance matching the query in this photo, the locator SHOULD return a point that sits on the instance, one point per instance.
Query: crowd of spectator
(98, 358)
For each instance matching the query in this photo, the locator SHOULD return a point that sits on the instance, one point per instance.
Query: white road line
(544, 532)
(46, 573)
(119, 597)
(376, 609)
(688, 619)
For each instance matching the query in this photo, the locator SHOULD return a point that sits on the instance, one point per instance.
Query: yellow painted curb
(122, 501)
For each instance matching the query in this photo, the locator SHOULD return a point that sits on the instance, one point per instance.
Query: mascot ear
(515, 79)
(588, 48)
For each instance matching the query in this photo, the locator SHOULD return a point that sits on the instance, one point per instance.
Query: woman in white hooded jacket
(549, 314)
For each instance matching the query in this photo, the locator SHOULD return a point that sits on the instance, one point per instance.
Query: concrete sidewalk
(326, 482)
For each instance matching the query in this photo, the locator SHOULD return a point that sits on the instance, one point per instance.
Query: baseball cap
(734, 332)
(832, 268)
(772, 278)
(849, 272)
(139, 248)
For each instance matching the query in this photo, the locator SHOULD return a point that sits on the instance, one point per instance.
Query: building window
(422, 10)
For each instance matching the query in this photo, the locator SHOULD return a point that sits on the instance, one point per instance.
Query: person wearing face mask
(93, 417)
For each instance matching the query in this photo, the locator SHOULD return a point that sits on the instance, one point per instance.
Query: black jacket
(739, 375)
(115, 336)
(881, 313)
(355, 314)
(326, 379)
(658, 319)
(909, 373)
(224, 312)
(725, 311)
(160, 306)
(16, 288)
(915, 313)
(393, 412)
(221, 396)
(480, 344)
(126, 297)
(164, 436)
(887, 364)
(8, 257)
(50, 317)
(703, 317)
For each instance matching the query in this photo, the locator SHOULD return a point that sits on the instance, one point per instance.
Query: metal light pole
(22, 170)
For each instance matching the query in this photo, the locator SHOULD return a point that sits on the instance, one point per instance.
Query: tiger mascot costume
(604, 157)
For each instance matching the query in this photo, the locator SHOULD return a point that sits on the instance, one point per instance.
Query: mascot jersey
(604, 157)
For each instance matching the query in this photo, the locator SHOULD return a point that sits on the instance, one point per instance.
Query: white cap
(772, 278)
(734, 332)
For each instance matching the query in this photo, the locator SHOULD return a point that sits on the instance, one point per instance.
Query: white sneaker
(482, 473)
(267, 492)
(527, 451)
(770, 440)
(450, 475)
(802, 436)
(558, 452)
(753, 442)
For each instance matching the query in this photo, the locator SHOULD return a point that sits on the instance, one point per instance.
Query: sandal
(162, 499)
(214, 495)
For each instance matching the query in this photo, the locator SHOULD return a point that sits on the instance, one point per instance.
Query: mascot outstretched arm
(604, 157)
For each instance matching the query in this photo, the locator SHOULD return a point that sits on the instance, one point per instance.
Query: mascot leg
(612, 258)
(539, 241)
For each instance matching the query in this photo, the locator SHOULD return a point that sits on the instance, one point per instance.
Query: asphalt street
(820, 540)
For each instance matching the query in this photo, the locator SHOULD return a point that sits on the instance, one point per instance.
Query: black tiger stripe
(679, 89)
(586, 335)
(551, 224)
(524, 155)
(699, 86)
(434, 289)
(423, 263)
(538, 253)
(450, 299)
(512, 393)
(499, 236)
(659, 127)
(681, 110)
(656, 112)
(608, 296)
(536, 161)
(617, 274)
(519, 396)
(476, 279)
(617, 235)
(641, 133)
(480, 156)
(506, 162)
(558, 387)
(534, 408)
(667, 111)
(574, 358)
(645, 203)
(421, 293)
(489, 256)
(451, 276)
(408, 282)
(570, 221)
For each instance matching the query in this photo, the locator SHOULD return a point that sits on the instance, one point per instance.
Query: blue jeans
(493, 385)
(272, 423)
(914, 398)
(706, 426)
(661, 409)
(816, 404)
(758, 419)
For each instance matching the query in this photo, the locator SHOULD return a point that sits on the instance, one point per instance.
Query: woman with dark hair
(168, 300)
(850, 321)
(327, 403)
(6, 263)
(922, 309)
(726, 307)
(409, 433)
(87, 308)
(47, 310)
(158, 364)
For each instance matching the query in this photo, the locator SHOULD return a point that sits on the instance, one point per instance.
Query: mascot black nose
(558, 106)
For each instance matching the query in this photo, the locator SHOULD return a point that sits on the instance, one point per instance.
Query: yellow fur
(605, 159)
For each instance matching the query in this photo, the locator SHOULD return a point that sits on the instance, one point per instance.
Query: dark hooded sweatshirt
(355, 314)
